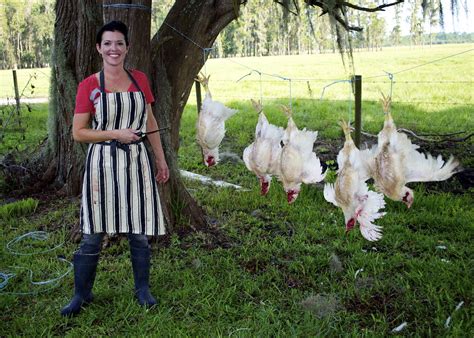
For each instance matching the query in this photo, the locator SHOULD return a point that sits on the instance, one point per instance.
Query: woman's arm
(155, 141)
(81, 132)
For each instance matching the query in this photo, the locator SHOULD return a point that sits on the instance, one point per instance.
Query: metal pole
(357, 82)
(17, 95)
(198, 95)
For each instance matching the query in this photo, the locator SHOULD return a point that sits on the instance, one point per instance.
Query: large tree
(172, 58)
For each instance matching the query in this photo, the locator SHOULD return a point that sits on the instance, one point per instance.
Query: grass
(23, 132)
(283, 270)
(17, 209)
(31, 83)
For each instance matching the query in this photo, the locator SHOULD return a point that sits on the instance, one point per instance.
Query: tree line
(263, 28)
(26, 33)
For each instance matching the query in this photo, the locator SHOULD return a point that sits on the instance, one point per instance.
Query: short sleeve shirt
(88, 92)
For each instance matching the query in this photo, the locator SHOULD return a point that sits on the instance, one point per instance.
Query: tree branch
(338, 6)
(373, 9)
(345, 25)
(286, 6)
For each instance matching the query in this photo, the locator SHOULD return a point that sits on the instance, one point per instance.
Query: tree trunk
(138, 19)
(74, 58)
(175, 62)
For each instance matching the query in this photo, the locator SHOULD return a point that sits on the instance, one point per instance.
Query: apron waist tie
(117, 144)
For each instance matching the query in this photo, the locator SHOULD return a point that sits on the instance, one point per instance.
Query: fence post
(197, 85)
(17, 95)
(357, 87)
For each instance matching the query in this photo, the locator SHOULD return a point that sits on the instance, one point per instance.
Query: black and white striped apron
(119, 193)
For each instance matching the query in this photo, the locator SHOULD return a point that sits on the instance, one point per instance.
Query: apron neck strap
(133, 80)
(102, 81)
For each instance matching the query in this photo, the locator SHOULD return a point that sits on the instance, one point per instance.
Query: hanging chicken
(262, 157)
(397, 162)
(211, 124)
(298, 163)
(350, 192)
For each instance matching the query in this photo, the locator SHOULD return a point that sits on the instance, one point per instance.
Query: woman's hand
(163, 173)
(126, 135)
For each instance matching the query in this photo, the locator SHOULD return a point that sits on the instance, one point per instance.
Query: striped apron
(119, 193)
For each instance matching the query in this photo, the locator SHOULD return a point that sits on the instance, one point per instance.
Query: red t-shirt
(88, 92)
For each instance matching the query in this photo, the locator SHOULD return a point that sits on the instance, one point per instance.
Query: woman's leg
(85, 266)
(140, 256)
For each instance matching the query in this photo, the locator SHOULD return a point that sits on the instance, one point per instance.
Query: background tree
(432, 15)
(26, 33)
(416, 22)
(396, 34)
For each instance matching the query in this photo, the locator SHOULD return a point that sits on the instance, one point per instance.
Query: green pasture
(31, 83)
(275, 269)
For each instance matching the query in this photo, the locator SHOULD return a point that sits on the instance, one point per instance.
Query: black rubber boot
(141, 272)
(85, 267)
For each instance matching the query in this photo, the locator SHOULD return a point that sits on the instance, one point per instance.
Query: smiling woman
(119, 193)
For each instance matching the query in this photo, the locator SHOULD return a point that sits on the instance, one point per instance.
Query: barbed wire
(422, 65)
(11, 100)
(346, 100)
(325, 80)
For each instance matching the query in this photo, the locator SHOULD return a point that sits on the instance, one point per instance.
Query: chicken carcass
(350, 192)
(396, 162)
(211, 124)
(298, 163)
(262, 157)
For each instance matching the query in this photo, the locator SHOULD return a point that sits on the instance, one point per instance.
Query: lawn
(275, 269)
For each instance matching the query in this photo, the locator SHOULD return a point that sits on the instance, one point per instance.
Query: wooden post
(198, 95)
(357, 88)
(17, 95)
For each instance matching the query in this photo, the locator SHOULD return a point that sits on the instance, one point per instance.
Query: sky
(463, 24)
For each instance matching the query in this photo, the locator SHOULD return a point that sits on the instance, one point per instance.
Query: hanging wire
(332, 83)
(272, 75)
(390, 76)
(204, 54)
(204, 49)
(260, 75)
(127, 6)
(349, 100)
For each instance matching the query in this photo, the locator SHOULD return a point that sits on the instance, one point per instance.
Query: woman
(120, 194)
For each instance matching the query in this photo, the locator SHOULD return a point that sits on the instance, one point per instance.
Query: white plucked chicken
(298, 163)
(396, 162)
(350, 192)
(211, 124)
(262, 156)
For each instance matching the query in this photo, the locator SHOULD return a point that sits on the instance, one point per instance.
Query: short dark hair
(112, 26)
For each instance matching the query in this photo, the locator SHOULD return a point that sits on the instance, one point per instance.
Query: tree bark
(137, 17)
(74, 58)
(176, 60)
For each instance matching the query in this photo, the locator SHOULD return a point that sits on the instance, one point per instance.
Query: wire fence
(33, 85)
(253, 83)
